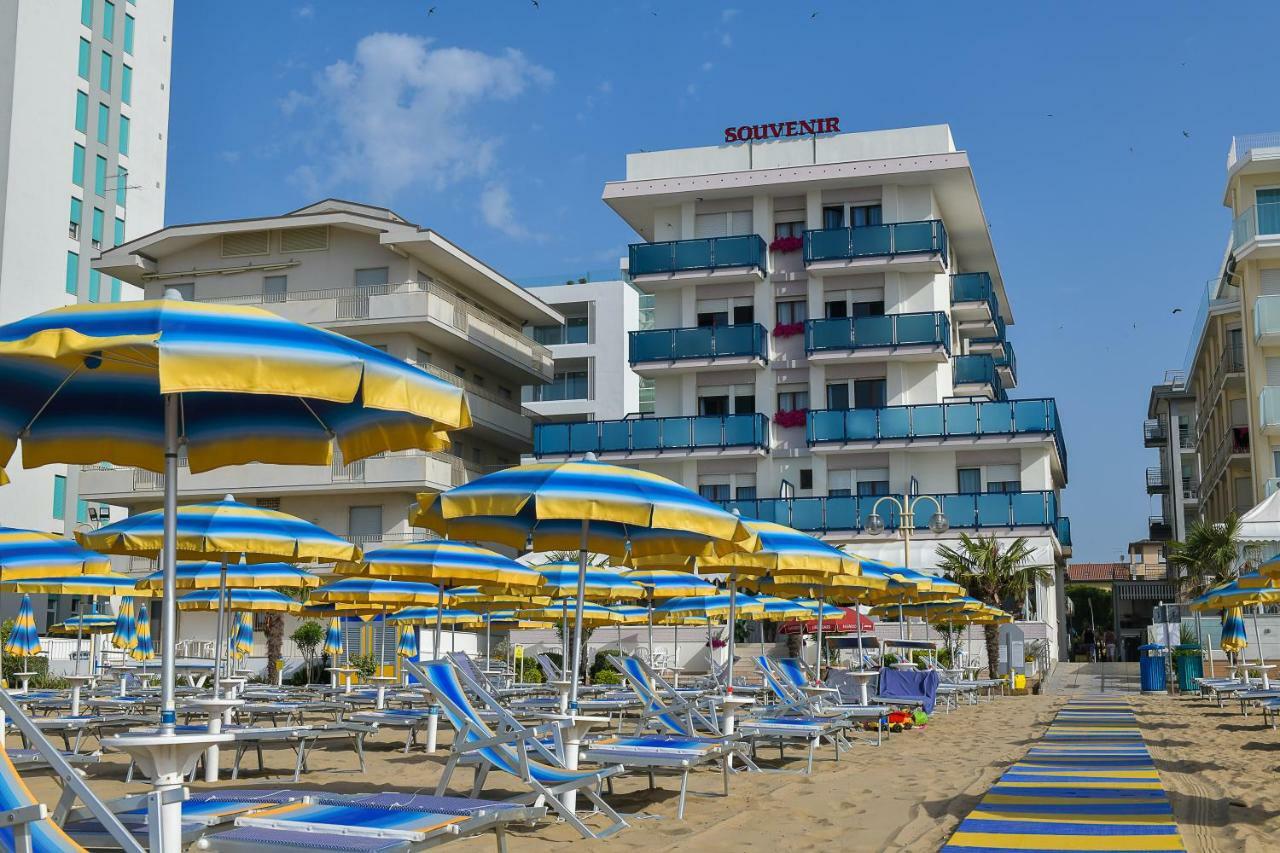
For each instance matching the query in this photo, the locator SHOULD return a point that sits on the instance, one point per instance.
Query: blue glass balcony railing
(710, 253)
(999, 337)
(869, 241)
(937, 421)
(964, 511)
(1063, 530)
(631, 435)
(1259, 220)
(700, 342)
(977, 369)
(890, 330)
(976, 287)
(1009, 361)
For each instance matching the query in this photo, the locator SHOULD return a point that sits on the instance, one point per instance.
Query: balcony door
(364, 524)
(728, 224)
(870, 394)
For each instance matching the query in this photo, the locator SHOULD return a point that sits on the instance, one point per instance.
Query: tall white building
(84, 108)
(368, 273)
(592, 377)
(829, 327)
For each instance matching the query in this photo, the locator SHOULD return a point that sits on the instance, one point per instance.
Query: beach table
(217, 709)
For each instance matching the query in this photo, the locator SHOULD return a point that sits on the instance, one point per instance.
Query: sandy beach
(907, 795)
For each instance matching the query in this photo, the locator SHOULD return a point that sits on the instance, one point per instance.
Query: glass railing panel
(1030, 508)
(842, 513)
(919, 328)
(826, 425)
(645, 434)
(691, 254)
(828, 244)
(1266, 316)
(1269, 218)
(552, 438)
(1063, 528)
(742, 339)
(615, 436)
(694, 343)
(961, 510)
(651, 345)
(583, 437)
(1269, 405)
(745, 508)
(873, 331)
(995, 418)
(650, 258)
(962, 419)
(677, 432)
(1032, 415)
(895, 422)
(914, 237)
(777, 510)
(993, 510)
(926, 421)
(971, 287)
(973, 368)
(870, 240)
(862, 424)
(835, 333)
(709, 431)
(743, 430)
(739, 251)
(806, 514)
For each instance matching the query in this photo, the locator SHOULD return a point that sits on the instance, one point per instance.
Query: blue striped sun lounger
(412, 720)
(1090, 784)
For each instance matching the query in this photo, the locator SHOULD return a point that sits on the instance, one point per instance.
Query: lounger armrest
(515, 737)
(24, 814)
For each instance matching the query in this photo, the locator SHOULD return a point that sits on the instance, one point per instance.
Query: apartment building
(1174, 482)
(829, 328)
(367, 273)
(592, 378)
(84, 101)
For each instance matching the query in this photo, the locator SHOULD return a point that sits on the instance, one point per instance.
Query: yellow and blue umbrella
(239, 576)
(126, 633)
(374, 592)
(24, 640)
(333, 646)
(31, 554)
(1244, 591)
(89, 623)
(560, 580)
(407, 647)
(474, 598)
(662, 584)
(241, 600)
(444, 563)
(240, 643)
(103, 584)
(707, 606)
(143, 649)
(593, 615)
(775, 609)
(1234, 638)
(425, 615)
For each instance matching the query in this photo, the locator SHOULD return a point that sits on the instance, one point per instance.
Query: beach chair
(301, 739)
(410, 720)
(514, 749)
(662, 706)
(467, 664)
(801, 692)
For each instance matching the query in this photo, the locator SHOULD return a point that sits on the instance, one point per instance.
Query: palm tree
(996, 575)
(1207, 557)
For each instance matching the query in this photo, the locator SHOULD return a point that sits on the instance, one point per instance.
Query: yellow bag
(1019, 681)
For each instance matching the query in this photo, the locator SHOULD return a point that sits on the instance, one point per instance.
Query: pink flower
(787, 330)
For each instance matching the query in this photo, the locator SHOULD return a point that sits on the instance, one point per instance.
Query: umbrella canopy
(1234, 638)
(240, 642)
(424, 615)
(541, 506)
(30, 554)
(510, 620)
(941, 609)
(593, 615)
(665, 583)
(781, 550)
(104, 584)
(143, 648)
(474, 598)
(560, 580)
(631, 614)
(363, 612)
(373, 592)
(1233, 594)
(246, 600)
(407, 646)
(126, 634)
(776, 609)
(24, 640)
(206, 575)
(707, 606)
(333, 638)
(445, 563)
(226, 529)
(88, 623)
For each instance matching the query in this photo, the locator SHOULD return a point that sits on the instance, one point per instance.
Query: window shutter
(1271, 282)
(311, 239)
(246, 243)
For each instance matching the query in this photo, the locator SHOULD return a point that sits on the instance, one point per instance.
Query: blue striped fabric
(30, 554)
(24, 639)
(445, 562)
(252, 600)
(239, 576)
(560, 580)
(46, 836)
(375, 592)
(1090, 784)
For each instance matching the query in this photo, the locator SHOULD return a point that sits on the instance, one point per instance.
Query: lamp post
(906, 507)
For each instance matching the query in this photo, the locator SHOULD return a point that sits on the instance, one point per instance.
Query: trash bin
(1151, 668)
(1189, 665)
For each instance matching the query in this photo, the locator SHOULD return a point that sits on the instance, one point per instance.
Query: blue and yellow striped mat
(1090, 784)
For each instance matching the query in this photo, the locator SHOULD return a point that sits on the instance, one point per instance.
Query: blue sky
(1098, 135)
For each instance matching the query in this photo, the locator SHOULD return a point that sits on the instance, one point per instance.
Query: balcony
(407, 471)
(1007, 366)
(1233, 445)
(936, 424)
(974, 306)
(633, 438)
(700, 347)
(964, 511)
(1062, 528)
(1157, 481)
(737, 258)
(421, 308)
(916, 337)
(1159, 528)
(994, 343)
(1190, 488)
(1229, 369)
(912, 246)
(1266, 320)
(1269, 410)
(1256, 232)
(492, 412)
(1155, 432)
(976, 376)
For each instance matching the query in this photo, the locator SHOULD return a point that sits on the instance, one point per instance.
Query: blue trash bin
(1151, 674)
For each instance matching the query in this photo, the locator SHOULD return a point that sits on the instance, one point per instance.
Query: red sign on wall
(781, 129)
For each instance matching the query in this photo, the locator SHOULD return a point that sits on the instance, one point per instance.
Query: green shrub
(366, 665)
(606, 676)
(888, 660)
(10, 664)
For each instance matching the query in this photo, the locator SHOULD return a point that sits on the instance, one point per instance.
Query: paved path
(1089, 784)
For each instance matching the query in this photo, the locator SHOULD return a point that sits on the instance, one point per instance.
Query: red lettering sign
(782, 129)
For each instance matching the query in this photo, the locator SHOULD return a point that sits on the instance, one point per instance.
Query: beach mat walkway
(1089, 784)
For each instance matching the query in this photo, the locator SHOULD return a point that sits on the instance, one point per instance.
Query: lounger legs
(684, 788)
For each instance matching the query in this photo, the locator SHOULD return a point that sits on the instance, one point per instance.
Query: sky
(1097, 133)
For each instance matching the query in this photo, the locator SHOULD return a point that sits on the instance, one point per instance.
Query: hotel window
(872, 482)
(851, 215)
(729, 224)
(792, 311)
(126, 84)
(186, 290)
(115, 290)
(128, 34)
(968, 480)
(575, 330)
(82, 112)
(104, 123)
(788, 229)
(422, 358)
(104, 72)
(95, 285)
(745, 493)
(714, 491)
(724, 400)
(792, 401)
(124, 134)
(77, 165)
(109, 20)
(73, 273)
(839, 484)
(806, 478)
(122, 185)
(59, 495)
(838, 395)
(869, 394)
(86, 12)
(1004, 478)
(83, 66)
(100, 175)
(73, 227)
(364, 523)
(119, 233)
(372, 277)
(96, 233)
(275, 288)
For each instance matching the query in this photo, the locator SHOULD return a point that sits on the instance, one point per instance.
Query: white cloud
(691, 89)
(728, 15)
(230, 156)
(605, 87)
(726, 40)
(397, 114)
(708, 65)
(305, 11)
(496, 208)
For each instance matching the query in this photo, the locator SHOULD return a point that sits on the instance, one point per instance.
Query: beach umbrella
(240, 643)
(662, 584)
(592, 614)
(407, 647)
(563, 580)
(24, 640)
(143, 650)
(376, 592)
(1234, 638)
(209, 575)
(240, 600)
(89, 623)
(133, 383)
(586, 505)
(1247, 590)
(82, 585)
(31, 554)
(429, 615)
(126, 633)
(333, 646)
(775, 609)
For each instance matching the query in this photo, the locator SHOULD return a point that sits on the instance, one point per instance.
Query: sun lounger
(465, 663)
(912, 687)
(31, 760)
(79, 726)
(514, 749)
(411, 720)
(821, 699)
(302, 739)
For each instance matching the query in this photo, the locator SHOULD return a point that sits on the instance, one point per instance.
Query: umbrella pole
(902, 623)
(435, 643)
(217, 646)
(169, 566)
(79, 641)
(1262, 663)
(564, 638)
(821, 597)
(577, 613)
(650, 627)
(733, 622)
(862, 657)
(675, 661)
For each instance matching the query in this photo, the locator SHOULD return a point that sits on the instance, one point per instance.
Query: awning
(846, 624)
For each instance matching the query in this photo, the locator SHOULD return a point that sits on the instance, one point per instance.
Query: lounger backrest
(771, 679)
(14, 794)
(793, 671)
(637, 674)
(464, 662)
(549, 669)
(442, 680)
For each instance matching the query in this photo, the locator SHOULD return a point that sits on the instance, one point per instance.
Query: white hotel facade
(829, 327)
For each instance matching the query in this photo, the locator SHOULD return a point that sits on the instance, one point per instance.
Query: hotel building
(368, 273)
(84, 100)
(1173, 484)
(829, 328)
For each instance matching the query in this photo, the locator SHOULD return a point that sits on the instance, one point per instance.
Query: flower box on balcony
(787, 244)
(788, 330)
(790, 418)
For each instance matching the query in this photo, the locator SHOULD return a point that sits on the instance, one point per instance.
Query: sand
(909, 794)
